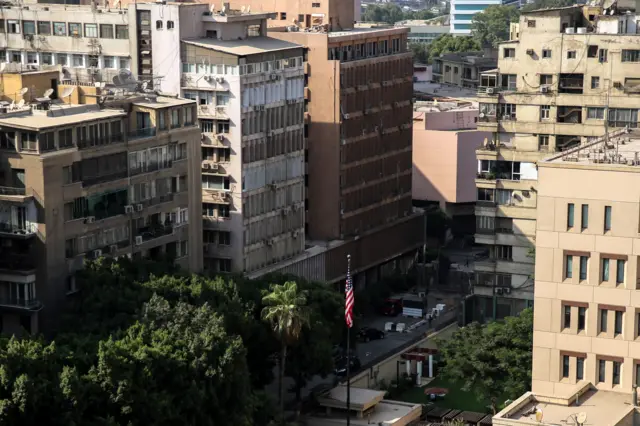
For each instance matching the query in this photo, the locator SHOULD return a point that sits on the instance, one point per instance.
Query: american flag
(348, 289)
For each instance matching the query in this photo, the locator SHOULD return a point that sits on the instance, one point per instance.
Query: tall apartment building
(82, 181)
(359, 118)
(463, 11)
(586, 350)
(86, 43)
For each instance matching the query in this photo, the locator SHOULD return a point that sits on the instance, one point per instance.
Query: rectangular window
(546, 79)
(77, 61)
(584, 262)
(601, 370)
(579, 368)
(570, 211)
(75, 30)
(13, 26)
(616, 372)
(509, 52)
(602, 55)
(545, 112)
(28, 27)
(592, 51)
(91, 30)
(565, 366)
(571, 54)
(603, 320)
(109, 62)
(568, 267)
(546, 53)
(595, 113)
(122, 32)
(605, 269)
(44, 28)
(617, 326)
(623, 117)
(567, 317)
(543, 141)
(62, 59)
(607, 218)
(59, 29)
(47, 58)
(595, 82)
(2, 26)
(124, 63)
(620, 271)
(584, 221)
(106, 31)
(629, 55)
(582, 315)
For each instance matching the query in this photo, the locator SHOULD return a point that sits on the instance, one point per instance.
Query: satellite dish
(242, 9)
(581, 418)
(539, 415)
(249, 9)
(224, 8)
(21, 103)
(47, 93)
(145, 85)
(67, 92)
(212, 8)
(24, 90)
(116, 3)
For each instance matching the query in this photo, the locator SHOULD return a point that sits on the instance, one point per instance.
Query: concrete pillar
(408, 365)
(430, 365)
(23, 57)
(419, 375)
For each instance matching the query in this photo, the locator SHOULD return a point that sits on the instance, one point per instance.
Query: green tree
(420, 53)
(287, 311)
(447, 43)
(491, 26)
(492, 360)
(392, 13)
(545, 4)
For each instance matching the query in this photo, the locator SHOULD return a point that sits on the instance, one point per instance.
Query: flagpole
(348, 351)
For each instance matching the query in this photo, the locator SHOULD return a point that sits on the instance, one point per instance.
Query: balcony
(159, 199)
(107, 178)
(151, 167)
(213, 112)
(15, 194)
(153, 232)
(210, 222)
(102, 141)
(213, 168)
(25, 230)
(219, 196)
(17, 264)
(146, 132)
(219, 140)
(20, 303)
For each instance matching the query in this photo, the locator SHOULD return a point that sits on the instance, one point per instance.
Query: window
(584, 222)
(543, 141)
(595, 82)
(224, 238)
(595, 113)
(91, 30)
(65, 138)
(47, 58)
(567, 317)
(28, 27)
(485, 194)
(545, 112)
(623, 117)
(109, 62)
(508, 81)
(508, 52)
(44, 28)
(455, 70)
(75, 30)
(592, 51)
(531, 23)
(546, 53)
(93, 61)
(565, 366)
(13, 27)
(582, 314)
(315, 4)
(59, 28)
(46, 141)
(170, 25)
(283, 16)
(546, 79)
(32, 58)
(124, 63)
(174, 115)
(571, 54)
(584, 262)
(603, 320)
(507, 111)
(601, 370)
(77, 61)
(637, 375)
(106, 31)
(579, 368)
(122, 32)
(504, 252)
(616, 372)
(607, 218)
(61, 59)
(568, 266)
(605, 269)
(630, 55)
(617, 325)
(2, 26)
(620, 271)
(158, 24)
(602, 55)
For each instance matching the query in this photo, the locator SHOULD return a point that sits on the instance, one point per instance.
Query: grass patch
(456, 398)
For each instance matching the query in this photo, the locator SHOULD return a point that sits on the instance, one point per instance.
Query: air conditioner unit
(617, 84)
(273, 77)
(214, 167)
(206, 166)
(271, 133)
(128, 209)
(396, 104)
(273, 186)
(544, 89)
(91, 219)
(97, 253)
(499, 290)
(346, 116)
(113, 249)
(138, 240)
(491, 90)
(285, 211)
(295, 207)
(220, 80)
(507, 290)
(220, 138)
(530, 52)
(139, 207)
(295, 234)
(270, 242)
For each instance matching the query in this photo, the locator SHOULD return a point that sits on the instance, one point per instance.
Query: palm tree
(287, 311)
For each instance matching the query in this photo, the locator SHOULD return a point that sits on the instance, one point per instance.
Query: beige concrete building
(568, 77)
(462, 69)
(84, 181)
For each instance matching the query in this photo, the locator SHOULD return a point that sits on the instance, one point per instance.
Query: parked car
(391, 307)
(341, 365)
(367, 334)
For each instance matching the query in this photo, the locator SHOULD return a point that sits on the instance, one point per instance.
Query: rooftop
(366, 31)
(163, 102)
(602, 408)
(248, 46)
(620, 148)
(58, 115)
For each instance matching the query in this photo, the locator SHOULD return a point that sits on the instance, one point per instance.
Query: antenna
(242, 9)
(581, 418)
(67, 92)
(249, 9)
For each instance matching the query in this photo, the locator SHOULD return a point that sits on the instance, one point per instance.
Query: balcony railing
(9, 190)
(27, 229)
(151, 167)
(16, 302)
(152, 232)
(105, 140)
(107, 178)
(17, 263)
(146, 132)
